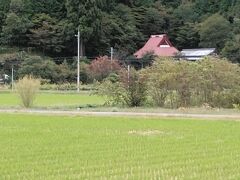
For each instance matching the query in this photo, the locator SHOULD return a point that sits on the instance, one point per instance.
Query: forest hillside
(49, 27)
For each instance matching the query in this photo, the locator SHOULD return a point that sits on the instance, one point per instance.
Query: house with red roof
(159, 45)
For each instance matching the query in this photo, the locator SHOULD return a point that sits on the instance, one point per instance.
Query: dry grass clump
(147, 132)
(27, 88)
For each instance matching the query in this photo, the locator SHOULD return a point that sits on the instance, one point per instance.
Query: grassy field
(8, 99)
(69, 147)
(71, 101)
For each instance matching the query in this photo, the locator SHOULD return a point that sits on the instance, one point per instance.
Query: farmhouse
(158, 45)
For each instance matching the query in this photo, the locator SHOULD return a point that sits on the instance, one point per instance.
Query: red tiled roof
(159, 45)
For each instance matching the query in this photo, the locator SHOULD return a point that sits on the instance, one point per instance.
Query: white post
(111, 57)
(12, 78)
(111, 53)
(78, 63)
(128, 75)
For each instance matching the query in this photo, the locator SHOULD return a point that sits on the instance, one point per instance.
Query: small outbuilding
(158, 45)
(197, 54)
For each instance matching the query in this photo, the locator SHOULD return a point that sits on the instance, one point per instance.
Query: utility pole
(78, 62)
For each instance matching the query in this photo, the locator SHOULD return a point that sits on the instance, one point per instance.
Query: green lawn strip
(87, 102)
(52, 100)
(72, 147)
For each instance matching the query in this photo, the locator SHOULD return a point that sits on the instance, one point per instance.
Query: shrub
(46, 69)
(171, 81)
(113, 92)
(135, 86)
(183, 83)
(226, 98)
(236, 106)
(102, 67)
(130, 90)
(175, 84)
(218, 76)
(113, 77)
(27, 88)
(161, 77)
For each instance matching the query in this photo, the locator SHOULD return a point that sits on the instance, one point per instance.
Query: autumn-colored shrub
(102, 67)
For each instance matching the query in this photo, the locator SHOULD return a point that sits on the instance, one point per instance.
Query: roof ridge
(158, 35)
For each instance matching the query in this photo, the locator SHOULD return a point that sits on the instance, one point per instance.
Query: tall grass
(27, 88)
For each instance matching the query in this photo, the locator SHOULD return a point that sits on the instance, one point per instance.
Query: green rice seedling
(72, 147)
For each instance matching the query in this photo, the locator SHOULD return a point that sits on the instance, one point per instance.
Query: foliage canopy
(50, 26)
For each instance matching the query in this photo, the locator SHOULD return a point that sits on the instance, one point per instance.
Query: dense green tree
(151, 20)
(15, 29)
(205, 7)
(234, 10)
(54, 8)
(185, 13)
(87, 17)
(132, 3)
(214, 32)
(120, 29)
(4, 7)
(46, 34)
(186, 36)
(101, 29)
(232, 49)
(16, 25)
(154, 22)
(171, 3)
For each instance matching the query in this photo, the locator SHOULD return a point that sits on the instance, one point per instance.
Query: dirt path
(133, 114)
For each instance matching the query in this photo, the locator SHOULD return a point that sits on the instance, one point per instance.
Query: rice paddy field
(88, 147)
(52, 100)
